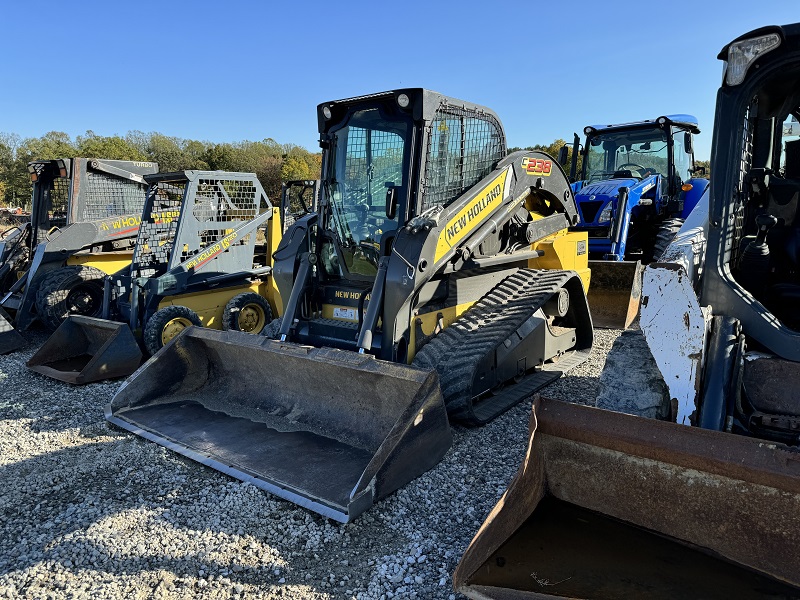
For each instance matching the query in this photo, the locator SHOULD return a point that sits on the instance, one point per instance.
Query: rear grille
(589, 210)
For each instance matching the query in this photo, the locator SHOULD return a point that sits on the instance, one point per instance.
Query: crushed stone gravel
(90, 511)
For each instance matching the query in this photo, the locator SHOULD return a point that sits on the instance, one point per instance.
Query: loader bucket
(330, 430)
(614, 292)
(10, 338)
(612, 506)
(85, 349)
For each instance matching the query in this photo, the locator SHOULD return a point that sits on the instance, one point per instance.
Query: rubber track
(458, 350)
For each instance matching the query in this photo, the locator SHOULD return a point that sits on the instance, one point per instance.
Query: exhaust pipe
(608, 505)
(85, 349)
(331, 430)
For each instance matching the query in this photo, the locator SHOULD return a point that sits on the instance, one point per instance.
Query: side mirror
(391, 200)
(699, 171)
(688, 145)
(563, 153)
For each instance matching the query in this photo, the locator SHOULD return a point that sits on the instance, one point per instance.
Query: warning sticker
(344, 313)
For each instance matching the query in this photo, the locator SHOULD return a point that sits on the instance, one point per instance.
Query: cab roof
(687, 122)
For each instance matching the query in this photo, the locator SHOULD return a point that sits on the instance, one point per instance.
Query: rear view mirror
(563, 154)
(687, 143)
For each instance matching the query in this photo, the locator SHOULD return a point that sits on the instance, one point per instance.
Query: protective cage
(221, 203)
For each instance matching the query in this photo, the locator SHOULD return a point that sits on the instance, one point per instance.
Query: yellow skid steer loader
(437, 278)
(202, 256)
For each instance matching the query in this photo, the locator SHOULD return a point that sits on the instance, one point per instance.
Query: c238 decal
(537, 166)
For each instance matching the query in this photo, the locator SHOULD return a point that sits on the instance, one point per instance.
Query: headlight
(605, 215)
(742, 54)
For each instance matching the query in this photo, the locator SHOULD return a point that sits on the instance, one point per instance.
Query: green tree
(113, 147)
(706, 164)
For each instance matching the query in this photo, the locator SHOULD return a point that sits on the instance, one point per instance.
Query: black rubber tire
(154, 329)
(251, 301)
(666, 233)
(70, 290)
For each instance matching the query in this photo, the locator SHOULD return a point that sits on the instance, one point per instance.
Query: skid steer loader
(431, 248)
(199, 259)
(84, 218)
(721, 487)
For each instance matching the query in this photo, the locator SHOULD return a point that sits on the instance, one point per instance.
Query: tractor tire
(248, 312)
(165, 324)
(666, 233)
(70, 290)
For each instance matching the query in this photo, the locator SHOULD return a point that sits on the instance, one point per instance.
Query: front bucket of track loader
(85, 349)
(612, 506)
(330, 430)
(614, 292)
(10, 338)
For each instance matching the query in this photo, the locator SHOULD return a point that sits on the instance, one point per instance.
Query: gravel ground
(89, 510)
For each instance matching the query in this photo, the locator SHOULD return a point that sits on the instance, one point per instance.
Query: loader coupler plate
(10, 338)
(610, 506)
(85, 349)
(330, 430)
(614, 292)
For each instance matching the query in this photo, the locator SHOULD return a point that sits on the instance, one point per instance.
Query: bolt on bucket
(611, 506)
(86, 349)
(331, 430)
(614, 293)
(10, 338)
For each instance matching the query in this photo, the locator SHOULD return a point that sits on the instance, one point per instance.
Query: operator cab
(660, 146)
(386, 158)
(766, 253)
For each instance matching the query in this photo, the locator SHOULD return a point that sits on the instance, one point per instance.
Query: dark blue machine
(647, 169)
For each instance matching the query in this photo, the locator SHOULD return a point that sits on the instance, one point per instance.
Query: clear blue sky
(235, 70)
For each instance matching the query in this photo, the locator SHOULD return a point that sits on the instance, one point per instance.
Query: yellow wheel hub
(252, 318)
(173, 328)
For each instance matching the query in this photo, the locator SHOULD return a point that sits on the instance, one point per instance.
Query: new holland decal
(537, 166)
(469, 217)
(210, 252)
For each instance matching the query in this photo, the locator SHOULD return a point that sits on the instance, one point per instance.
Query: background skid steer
(724, 479)
(197, 261)
(430, 247)
(84, 217)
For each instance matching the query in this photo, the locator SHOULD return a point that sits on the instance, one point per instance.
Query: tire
(246, 312)
(666, 233)
(71, 290)
(165, 324)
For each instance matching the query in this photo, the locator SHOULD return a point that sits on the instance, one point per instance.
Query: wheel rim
(84, 300)
(173, 327)
(252, 318)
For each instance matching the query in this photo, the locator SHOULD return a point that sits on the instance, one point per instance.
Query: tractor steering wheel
(637, 165)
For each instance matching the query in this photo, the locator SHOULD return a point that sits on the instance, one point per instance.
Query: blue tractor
(636, 187)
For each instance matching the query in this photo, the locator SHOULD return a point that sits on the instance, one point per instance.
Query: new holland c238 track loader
(437, 278)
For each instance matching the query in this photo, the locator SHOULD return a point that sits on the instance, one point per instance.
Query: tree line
(272, 162)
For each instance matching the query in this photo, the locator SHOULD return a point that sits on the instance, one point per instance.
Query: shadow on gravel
(124, 507)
